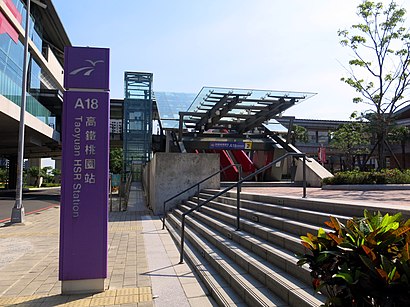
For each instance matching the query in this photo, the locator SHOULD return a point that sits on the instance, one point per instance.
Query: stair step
(274, 278)
(276, 255)
(256, 265)
(315, 204)
(286, 224)
(270, 234)
(219, 289)
(248, 288)
(260, 184)
(303, 215)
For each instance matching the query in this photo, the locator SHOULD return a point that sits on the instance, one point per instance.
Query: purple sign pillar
(84, 193)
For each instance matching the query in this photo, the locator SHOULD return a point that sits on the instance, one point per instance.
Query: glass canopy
(170, 104)
(238, 110)
(250, 97)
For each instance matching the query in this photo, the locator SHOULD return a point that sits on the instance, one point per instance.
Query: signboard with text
(231, 145)
(84, 193)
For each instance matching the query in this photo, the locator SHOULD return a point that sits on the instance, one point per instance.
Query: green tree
(56, 173)
(379, 70)
(116, 160)
(47, 173)
(352, 139)
(400, 135)
(36, 173)
(299, 134)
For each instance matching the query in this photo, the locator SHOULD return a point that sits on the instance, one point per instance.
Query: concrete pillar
(36, 162)
(57, 165)
(277, 169)
(168, 140)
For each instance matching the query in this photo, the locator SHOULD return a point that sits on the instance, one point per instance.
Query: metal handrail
(239, 166)
(128, 182)
(238, 192)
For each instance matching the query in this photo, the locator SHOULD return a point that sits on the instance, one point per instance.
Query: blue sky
(187, 44)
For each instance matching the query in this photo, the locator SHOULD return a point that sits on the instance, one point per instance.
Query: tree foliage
(116, 160)
(352, 139)
(3, 174)
(299, 134)
(379, 71)
(36, 171)
(399, 134)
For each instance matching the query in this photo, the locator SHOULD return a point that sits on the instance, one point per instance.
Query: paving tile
(194, 290)
(127, 299)
(54, 300)
(78, 303)
(102, 301)
(37, 272)
(128, 291)
(188, 279)
(107, 293)
(202, 301)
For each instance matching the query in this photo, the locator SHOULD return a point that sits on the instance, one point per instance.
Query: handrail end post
(304, 176)
(165, 214)
(181, 253)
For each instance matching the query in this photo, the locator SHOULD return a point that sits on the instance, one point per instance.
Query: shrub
(363, 263)
(50, 184)
(116, 160)
(385, 176)
(3, 174)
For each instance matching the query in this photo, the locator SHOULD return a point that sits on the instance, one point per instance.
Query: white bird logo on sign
(86, 69)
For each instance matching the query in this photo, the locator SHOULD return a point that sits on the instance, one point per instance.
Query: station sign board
(84, 193)
(86, 68)
(247, 145)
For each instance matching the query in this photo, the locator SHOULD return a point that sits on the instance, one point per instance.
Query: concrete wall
(314, 172)
(54, 65)
(277, 170)
(170, 173)
(12, 110)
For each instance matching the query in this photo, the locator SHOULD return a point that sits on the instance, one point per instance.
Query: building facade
(47, 39)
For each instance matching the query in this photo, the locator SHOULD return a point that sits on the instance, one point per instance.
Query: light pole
(17, 214)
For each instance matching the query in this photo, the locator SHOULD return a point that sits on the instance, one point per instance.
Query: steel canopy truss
(236, 111)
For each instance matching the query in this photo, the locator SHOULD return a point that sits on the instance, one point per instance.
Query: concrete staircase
(256, 266)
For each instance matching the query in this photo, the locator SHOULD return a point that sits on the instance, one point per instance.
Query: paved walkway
(143, 268)
(398, 199)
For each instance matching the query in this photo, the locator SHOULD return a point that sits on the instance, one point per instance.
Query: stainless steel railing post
(304, 176)
(238, 206)
(197, 191)
(181, 255)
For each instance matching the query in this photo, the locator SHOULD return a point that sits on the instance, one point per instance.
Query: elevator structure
(137, 125)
